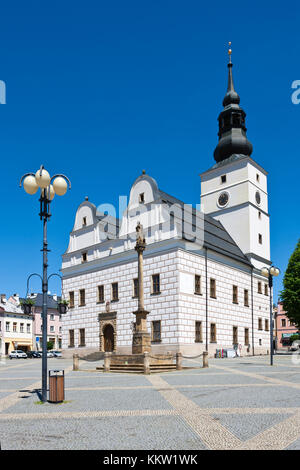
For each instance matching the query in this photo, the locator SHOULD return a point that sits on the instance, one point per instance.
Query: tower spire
(232, 129)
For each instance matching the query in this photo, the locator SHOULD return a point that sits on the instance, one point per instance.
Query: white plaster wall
(162, 307)
(220, 310)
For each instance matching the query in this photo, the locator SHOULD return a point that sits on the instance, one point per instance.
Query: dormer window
(223, 179)
(84, 221)
(142, 198)
(84, 257)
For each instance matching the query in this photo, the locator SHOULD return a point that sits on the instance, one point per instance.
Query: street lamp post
(58, 184)
(269, 273)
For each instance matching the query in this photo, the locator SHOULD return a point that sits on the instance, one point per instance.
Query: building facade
(284, 328)
(202, 267)
(54, 325)
(15, 328)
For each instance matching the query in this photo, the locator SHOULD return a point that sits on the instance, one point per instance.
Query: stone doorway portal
(108, 333)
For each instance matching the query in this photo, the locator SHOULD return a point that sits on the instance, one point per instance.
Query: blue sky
(100, 90)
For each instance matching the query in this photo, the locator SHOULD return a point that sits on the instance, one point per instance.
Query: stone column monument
(141, 341)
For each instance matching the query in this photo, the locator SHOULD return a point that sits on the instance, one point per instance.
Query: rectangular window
(135, 287)
(142, 198)
(28, 327)
(246, 336)
(257, 177)
(52, 317)
(84, 221)
(260, 238)
(235, 335)
(156, 331)
(82, 337)
(235, 294)
(52, 329)
(100, 294)
(71, 299)
(84, 257)
(71, 339)
(21, 327)
(283, 322)
(213, 288)
(260, 326)
(7, 326)
(14, 327)
(114, 291)
(246, 298)
(81, 297)
(198, 332)
(259, 288)
(197, 284)
(266, 325)
(155, 284)
(266, 289)
(213, 333)
(223, 179)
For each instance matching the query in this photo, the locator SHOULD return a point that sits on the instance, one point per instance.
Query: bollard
(205, 359)
(146, 363)
(107, 359)
(179, 361)
(75, 362)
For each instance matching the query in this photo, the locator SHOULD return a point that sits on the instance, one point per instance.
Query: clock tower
(234, 190)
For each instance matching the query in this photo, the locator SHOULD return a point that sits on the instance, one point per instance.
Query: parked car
(18, 354)
(56, 353)
(50, 354)
(34, 354)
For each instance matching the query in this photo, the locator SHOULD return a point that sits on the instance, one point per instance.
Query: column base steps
(139, 368)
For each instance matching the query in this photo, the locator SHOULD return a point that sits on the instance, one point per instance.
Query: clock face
(223, 199)
(257, 197)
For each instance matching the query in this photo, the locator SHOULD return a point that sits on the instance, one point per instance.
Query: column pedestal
(141, 341)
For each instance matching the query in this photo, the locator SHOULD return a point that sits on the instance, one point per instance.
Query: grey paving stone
(247, 426)
(148, 433)
(212, 379)
(294, 446)
(244, 397)
(95, 400)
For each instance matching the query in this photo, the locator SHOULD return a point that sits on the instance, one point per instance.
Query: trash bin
(56, 386)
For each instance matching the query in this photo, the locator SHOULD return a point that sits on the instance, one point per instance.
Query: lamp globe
(60, 186)
(51, 192)
(42, 178)
(265, 272)
(30, 185)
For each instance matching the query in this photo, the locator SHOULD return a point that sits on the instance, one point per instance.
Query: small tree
(49, 345)
(290, 295)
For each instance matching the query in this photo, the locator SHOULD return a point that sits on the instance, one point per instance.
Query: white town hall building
(202, 281)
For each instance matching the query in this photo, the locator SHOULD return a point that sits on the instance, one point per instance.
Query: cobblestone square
(240, 403)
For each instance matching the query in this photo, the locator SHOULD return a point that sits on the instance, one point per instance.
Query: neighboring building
(15, 328)
(54, 320)
(284, 328)
(201, 292)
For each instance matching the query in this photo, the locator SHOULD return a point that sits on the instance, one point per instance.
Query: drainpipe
(206, 303)
(252, 311)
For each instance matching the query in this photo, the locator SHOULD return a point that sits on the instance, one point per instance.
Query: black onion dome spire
(232, 129)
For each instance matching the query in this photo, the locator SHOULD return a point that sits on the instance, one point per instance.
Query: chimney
(17, 298)
(3, 298)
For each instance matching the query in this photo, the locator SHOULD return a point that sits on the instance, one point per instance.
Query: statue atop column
(141, 341)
